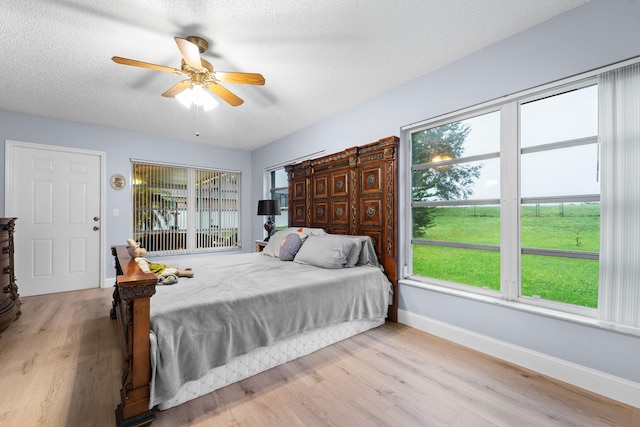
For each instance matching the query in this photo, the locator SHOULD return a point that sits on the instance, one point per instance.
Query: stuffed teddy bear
(135, 250)
(166, 275)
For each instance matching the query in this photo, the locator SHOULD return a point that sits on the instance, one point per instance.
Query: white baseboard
(607, 385)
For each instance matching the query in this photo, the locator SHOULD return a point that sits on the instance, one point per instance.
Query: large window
(179, 209)
(506, 200)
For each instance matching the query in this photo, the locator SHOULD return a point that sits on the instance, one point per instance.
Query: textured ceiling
(318, 57)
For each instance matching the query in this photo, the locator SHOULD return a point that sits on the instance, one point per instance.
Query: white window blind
(179, 209)
(619, 296)
(216, 209)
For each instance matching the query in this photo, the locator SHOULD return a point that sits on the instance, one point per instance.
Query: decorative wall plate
(117, 181)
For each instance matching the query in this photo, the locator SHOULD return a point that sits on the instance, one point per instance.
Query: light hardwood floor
(60, 366)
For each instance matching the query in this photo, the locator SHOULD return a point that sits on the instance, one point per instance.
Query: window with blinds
(180, 209)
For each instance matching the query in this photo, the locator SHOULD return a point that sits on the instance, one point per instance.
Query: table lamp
(269, 208)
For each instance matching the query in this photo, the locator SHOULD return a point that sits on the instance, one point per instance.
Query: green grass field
(573, 227)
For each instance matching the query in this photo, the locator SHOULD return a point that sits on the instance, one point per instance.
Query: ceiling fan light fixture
(203, 98)
(184, 97)
(197, 95)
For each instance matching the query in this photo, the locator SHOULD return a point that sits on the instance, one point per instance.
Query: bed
(339, 281)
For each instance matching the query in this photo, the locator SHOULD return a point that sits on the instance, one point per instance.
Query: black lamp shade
(268, 207)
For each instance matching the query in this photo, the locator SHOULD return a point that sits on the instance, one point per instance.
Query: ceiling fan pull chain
(197, 119)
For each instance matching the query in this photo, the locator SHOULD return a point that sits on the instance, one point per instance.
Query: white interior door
(55, 193)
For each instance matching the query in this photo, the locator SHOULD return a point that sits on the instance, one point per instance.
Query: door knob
(96, 228)
(95, 218)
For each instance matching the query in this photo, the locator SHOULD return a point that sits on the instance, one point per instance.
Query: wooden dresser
(9, 298)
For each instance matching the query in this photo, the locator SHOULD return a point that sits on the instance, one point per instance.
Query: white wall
(120, 147)
(597, 34)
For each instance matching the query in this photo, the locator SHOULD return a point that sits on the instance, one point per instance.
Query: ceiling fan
(200, 72)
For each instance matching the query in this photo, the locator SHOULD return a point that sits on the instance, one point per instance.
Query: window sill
(541, 311)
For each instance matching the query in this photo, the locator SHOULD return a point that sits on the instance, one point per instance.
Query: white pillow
(367, 253)
(327, 251)
(273, 246)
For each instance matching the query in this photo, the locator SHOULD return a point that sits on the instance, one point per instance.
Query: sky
(560, 172)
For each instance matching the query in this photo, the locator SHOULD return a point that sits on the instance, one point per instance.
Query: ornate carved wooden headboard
(352, 192)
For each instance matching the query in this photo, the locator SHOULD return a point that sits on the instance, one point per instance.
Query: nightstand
(260, 244)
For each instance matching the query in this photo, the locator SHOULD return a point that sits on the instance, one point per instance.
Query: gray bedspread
(236, 303)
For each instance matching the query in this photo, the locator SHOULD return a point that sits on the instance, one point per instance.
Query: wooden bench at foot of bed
(131, 302)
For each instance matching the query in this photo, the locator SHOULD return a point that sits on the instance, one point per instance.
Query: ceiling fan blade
(190, 52)
(125, 61)
(242, 78)
(225, 94)
(177, 88)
